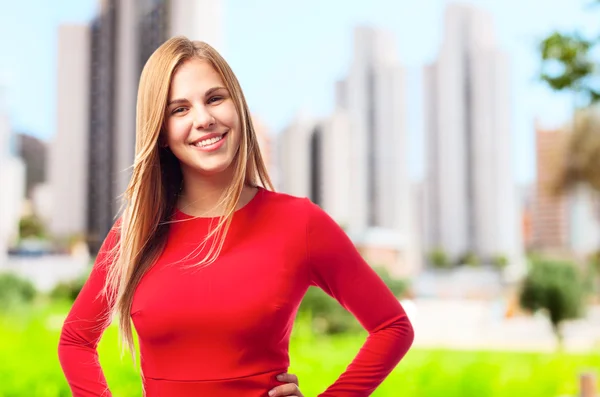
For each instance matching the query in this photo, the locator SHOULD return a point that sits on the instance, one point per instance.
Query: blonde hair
(151, 195)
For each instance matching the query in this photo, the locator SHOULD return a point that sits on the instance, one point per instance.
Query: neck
(201, 194)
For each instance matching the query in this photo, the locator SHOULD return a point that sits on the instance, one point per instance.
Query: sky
(288, 56)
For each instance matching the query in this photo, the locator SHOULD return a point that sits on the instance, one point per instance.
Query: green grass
(29, 364)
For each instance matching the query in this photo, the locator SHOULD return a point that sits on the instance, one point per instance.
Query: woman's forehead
(195, 74)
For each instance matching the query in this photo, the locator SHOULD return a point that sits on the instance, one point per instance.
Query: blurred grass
(29, 364)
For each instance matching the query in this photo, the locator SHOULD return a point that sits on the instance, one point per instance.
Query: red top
(224, 330)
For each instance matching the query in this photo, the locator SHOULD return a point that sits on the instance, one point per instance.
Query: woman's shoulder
(285, 204)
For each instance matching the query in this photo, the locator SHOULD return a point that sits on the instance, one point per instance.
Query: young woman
(209, 263)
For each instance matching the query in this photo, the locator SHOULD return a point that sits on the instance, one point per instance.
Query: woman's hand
(289, 389)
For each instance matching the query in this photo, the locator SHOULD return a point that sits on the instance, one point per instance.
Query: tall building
(124, 35)
(294, 156)
(314, 162)
(563, 222)
(198, 20)
(69, 147)
(12, 180)
(265, 144)
(471, 194)
(550, 210)
(372, 95)
(101, 137)
(353, 163)
(33, 151)
(584, 221)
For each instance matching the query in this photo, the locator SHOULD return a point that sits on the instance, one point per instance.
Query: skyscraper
(373, 97)
(353, 163)
(550, 220)
(33, 151)
(563, 222)
(69, 147)
(12, 180)
(264, 139)
(314, 162)
(101, 138)
(294, 156)
(471, 194)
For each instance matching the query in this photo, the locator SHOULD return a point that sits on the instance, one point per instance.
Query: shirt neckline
(180, 215)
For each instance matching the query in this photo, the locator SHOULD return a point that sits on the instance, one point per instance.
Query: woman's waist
(255, 385)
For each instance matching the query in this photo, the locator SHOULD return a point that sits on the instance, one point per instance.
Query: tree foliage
(556, 288)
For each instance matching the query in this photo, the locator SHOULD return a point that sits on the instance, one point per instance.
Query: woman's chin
(212, 170)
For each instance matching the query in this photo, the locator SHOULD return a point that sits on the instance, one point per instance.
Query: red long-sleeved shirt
(223, 330)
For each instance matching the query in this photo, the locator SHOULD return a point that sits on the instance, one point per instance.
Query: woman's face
(202, 123)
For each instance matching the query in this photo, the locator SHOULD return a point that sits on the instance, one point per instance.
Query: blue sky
(288, 55)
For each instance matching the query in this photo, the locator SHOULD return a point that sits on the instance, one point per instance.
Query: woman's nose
(203, 119)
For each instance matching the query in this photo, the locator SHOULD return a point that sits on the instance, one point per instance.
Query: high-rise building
(197, 20)
(69, 148)
(584, 221)
(294, 156)
(124, 35)
(353, 163)
(265, 143)
(550, 210)
(314, 162)
(471, 194)
(373, 97)
(33, 151)
(563, 222)
(12, 180)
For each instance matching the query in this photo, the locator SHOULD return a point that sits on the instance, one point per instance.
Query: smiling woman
(209, 263)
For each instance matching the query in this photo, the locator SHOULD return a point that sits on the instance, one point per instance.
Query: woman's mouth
(210, 144)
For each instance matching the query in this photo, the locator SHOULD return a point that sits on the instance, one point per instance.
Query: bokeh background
(458, 145)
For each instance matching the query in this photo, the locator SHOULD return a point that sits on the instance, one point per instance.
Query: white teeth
(207, 142)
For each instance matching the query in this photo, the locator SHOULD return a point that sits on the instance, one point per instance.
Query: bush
(329, 317)
(326, 314)
(67, 290)
(15, 291)
(31, 227)
(397, 286)
(438, 259)
(555, 287)
(468, 259)
(499, 261)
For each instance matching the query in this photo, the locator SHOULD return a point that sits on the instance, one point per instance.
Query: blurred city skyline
(286, 68)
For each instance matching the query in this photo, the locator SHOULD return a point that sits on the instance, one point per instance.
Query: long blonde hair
(151, 195)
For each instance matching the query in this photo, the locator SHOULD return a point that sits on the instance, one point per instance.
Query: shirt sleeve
(84, 327)
(336, 266)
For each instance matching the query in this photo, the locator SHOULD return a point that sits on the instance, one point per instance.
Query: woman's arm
(83, 329)
(336, 266)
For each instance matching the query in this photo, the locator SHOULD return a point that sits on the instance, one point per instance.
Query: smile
(211, 143)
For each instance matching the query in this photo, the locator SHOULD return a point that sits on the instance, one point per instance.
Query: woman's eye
(177, 110)
(215, 99)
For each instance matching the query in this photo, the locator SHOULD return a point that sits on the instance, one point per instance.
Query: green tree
(581, 165)
(554, 287)
(570, 63)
